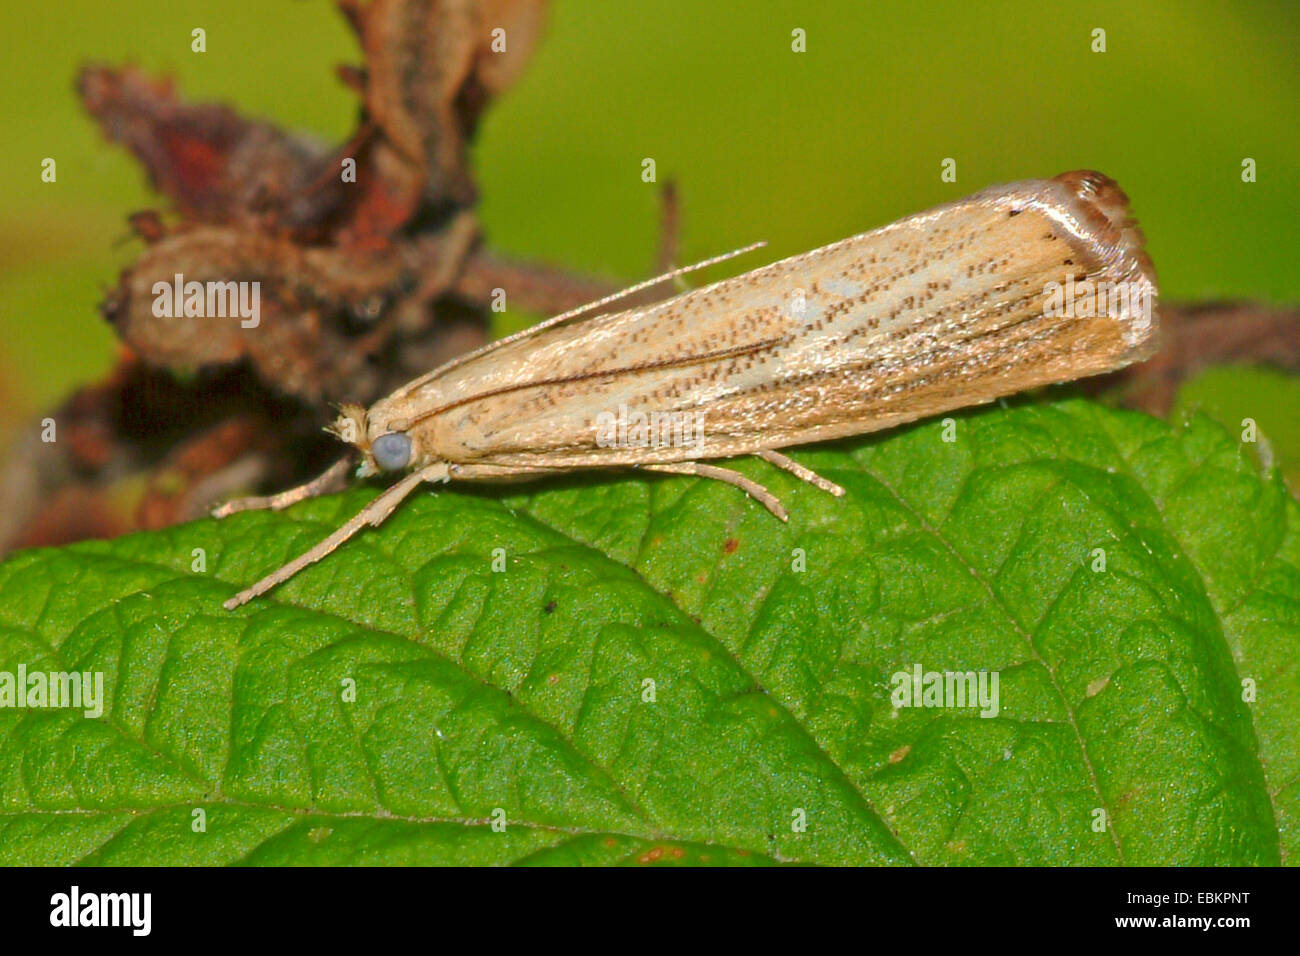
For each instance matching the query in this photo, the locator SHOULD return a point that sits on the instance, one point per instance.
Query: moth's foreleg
(800, 472)
(334, 478)
(748, 486)
(372, 514)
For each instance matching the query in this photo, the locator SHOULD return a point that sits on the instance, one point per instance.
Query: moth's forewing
(941, 310)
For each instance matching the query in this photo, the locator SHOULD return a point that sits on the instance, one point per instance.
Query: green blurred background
(799, 149)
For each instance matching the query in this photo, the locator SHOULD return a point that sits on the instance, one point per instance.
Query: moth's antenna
(633, 289)
(573, 313)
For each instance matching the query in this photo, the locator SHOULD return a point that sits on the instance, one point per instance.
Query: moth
(1018, 286)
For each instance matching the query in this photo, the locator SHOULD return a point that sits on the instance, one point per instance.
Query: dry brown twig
(363, 283)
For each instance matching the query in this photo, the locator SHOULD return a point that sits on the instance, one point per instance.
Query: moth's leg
(372, 514)
(481, 472)
(799, 471)
(334, 478)
(748, 486)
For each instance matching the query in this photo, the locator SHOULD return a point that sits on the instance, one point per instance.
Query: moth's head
(384, 444)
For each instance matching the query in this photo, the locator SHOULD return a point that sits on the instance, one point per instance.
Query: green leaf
(663, 673)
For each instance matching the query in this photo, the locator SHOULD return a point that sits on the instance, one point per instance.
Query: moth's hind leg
(748, 486)
(800, 472)
(334, 478)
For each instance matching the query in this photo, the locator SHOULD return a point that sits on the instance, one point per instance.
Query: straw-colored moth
(1018, 286)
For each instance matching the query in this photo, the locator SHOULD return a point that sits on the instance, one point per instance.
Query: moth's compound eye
(392, 451)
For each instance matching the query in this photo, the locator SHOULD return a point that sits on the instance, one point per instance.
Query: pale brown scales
(967, 343)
